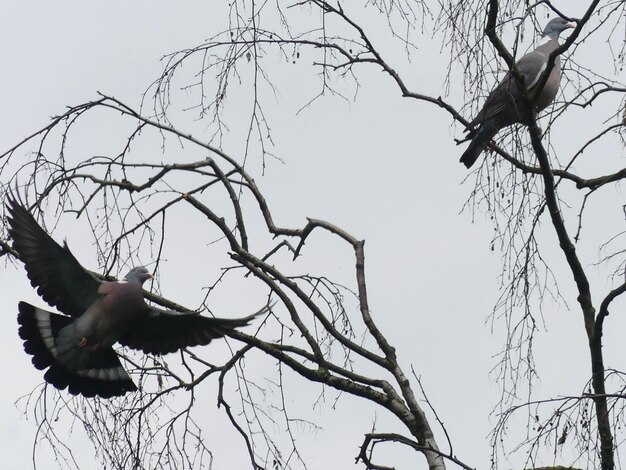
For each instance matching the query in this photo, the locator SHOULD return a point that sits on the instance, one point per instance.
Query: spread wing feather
(165, 331)
(52, 269)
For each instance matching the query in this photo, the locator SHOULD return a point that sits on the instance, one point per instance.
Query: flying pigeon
(502, 107)
(77, 347)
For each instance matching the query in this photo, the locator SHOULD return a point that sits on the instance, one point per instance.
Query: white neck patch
(544, 40)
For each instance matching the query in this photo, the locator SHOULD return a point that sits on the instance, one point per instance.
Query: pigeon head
(556, 26)
(138, 275)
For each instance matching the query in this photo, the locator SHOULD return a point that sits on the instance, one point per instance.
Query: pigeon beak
(571, 24)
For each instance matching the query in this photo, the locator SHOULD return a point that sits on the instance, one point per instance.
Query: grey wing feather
(59, 277)
(164, 331)
(531, 66)
(500, 104)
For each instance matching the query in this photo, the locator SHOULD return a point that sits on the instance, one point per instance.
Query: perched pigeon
(77, 347)
(504, 104)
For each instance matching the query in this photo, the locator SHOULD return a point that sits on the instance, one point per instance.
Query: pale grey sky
(382, 167)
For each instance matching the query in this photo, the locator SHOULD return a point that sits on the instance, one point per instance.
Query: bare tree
(321, 329)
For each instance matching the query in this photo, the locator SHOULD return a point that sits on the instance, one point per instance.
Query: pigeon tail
(47, 338)
(480, 139)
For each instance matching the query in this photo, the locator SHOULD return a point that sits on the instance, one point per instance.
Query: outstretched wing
(59, 278)
(165, 331)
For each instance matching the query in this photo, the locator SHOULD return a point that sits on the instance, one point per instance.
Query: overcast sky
(382, 167)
